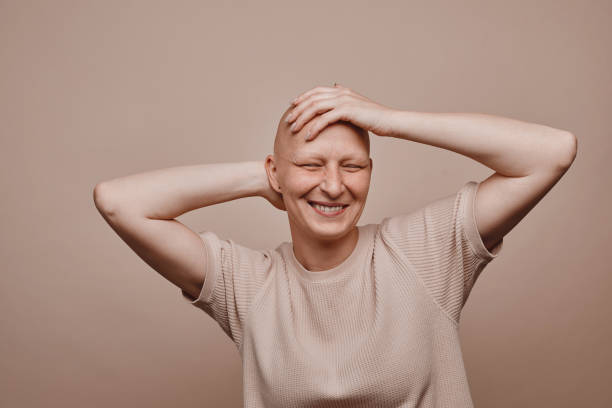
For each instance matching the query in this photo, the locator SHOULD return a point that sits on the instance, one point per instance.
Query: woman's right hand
(276, 199)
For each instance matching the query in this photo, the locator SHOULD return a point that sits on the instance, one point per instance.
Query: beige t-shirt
(378, 330)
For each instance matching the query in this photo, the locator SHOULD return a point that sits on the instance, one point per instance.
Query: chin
(330, 232)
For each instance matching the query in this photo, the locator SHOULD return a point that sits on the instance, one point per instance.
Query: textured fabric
(378, 330)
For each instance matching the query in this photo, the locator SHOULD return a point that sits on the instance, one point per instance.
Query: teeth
(325, 208)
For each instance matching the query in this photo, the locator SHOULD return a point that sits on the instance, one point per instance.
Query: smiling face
(334, 169)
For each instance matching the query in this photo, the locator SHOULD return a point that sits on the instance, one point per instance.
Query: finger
(324, 120)
(343, 90)
(305, 104)
(313, 108)
(306, 94)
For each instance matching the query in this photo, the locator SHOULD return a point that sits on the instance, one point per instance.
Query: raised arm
(528, 159)
(141, 209)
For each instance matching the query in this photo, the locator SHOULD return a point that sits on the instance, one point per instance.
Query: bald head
(282, 139)
(337, 161)
(286, 141)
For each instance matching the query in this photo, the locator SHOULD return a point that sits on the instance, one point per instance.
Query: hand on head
(322, 106)
(333, 169)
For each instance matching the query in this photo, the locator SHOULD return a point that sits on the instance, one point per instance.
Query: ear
(272, 172)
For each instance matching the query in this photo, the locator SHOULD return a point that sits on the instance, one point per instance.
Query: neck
(319, 255)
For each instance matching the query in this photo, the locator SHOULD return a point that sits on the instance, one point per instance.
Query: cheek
(358, 185)
(300, 184)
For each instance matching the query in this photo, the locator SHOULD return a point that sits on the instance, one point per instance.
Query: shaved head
(286, 141)
(282, 134)
(334, 167)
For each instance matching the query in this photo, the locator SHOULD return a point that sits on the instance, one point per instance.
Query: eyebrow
(312, 155)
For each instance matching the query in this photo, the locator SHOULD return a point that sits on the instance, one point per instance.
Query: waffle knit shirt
(379, 330)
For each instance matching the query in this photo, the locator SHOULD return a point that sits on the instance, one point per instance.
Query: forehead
(338, 141)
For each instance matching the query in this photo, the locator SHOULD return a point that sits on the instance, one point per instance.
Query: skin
(335, 167)
(527, 160)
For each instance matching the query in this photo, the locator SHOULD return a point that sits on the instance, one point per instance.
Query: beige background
(95, 90)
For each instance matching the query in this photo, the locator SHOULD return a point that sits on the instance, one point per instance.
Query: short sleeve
(234, 275)
(441, 243)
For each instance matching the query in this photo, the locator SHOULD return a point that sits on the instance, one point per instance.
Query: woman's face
(333, 169)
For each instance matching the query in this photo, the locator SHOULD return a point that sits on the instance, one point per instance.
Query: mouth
(328, 210)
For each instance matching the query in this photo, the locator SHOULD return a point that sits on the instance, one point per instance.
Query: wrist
(394, 120)
(260, 178)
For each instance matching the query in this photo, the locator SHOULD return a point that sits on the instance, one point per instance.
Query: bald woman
(344, 315)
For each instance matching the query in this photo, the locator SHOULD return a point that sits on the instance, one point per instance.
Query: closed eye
(351, 166)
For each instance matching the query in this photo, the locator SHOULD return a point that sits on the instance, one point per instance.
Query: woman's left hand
(325, 105)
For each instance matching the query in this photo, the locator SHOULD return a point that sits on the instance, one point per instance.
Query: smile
(328, 211)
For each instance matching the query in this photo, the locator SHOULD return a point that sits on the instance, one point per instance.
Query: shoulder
(440, 212)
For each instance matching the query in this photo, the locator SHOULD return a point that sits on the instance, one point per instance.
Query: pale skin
(334, 169)
(332, 166)
(528, 159)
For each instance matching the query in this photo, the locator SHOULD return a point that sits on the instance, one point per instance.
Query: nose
(332, 182)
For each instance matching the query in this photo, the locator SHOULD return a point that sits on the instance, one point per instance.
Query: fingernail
(307, 135)
(288, 118)
(292, 126)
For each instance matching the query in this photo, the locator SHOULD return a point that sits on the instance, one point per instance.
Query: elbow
(569, 144)
(104, 199)
(559, 153)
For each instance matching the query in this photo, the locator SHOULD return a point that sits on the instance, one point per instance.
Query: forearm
(168, 193)
(507, 146)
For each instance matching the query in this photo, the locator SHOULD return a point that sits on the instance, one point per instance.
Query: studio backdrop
(93, 90)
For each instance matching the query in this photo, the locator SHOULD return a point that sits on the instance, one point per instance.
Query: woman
(344, 315)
